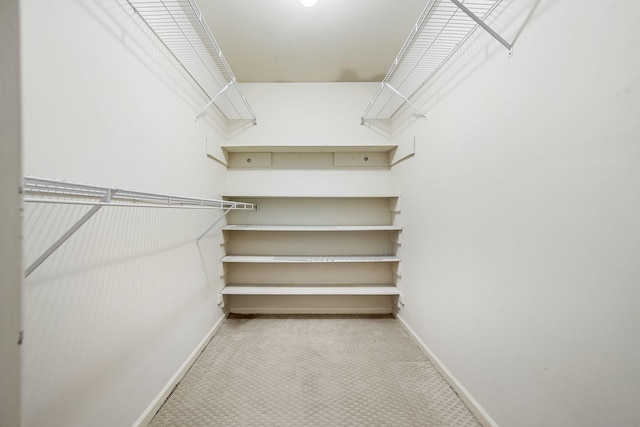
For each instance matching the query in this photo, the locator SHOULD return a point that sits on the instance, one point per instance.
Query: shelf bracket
(42, 258)
(213, 225)
(204, 263)
(405, 99)
(223, 90)
(480, 22)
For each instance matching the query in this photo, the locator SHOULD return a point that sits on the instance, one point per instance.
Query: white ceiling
(333, 41)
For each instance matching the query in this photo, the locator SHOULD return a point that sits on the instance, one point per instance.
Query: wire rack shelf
(44, 190)
(442, 28)
(182, 29)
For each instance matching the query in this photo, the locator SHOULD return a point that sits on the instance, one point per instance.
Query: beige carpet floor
(302, 370)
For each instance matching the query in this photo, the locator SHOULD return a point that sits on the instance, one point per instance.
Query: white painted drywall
(10, 214)
(306, 182)
(112, 315)
(309, 114)
(521, 215)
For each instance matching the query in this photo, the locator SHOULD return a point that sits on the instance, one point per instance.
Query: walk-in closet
(319, 213)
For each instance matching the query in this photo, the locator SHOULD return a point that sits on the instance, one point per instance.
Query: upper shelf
(265, 227)
(307, 148)
(442, 28)
(180, 26)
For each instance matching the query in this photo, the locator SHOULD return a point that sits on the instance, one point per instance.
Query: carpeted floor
(302, 370)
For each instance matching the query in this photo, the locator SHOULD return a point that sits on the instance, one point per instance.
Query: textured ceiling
(333, 41)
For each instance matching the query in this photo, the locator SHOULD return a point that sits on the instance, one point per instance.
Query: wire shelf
(180, 26)
(441, 29)
(43, 190)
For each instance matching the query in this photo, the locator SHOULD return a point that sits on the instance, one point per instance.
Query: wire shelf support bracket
(43, 190)
(46, 254)
(442, 28)
(213, 100)
(484, 26)
(411, 104)
(182, 29)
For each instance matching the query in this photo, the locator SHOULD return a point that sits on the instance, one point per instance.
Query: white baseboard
(157, 403)
(477, 410)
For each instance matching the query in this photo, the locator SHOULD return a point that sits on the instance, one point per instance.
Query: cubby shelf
(306, 157)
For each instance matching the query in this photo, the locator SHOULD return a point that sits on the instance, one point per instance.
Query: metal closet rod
(44, 190)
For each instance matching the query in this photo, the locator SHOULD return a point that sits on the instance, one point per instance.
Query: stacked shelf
(309, 290)
(306, 259)
(312, 265)
(263, 227)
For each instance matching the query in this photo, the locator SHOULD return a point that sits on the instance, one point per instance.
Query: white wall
(309, 114)
(112, 315)
(521, 214)
(10, 215)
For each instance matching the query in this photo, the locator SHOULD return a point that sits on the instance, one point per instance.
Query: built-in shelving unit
(325, 156)
(181, 28)
(326, 236)
(331, 171)
(318, 254)
(441, 29)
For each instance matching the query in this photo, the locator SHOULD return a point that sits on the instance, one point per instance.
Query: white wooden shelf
(309, 259)
(307, 148)
(289, 195)
(319, 228)
(233, 289)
